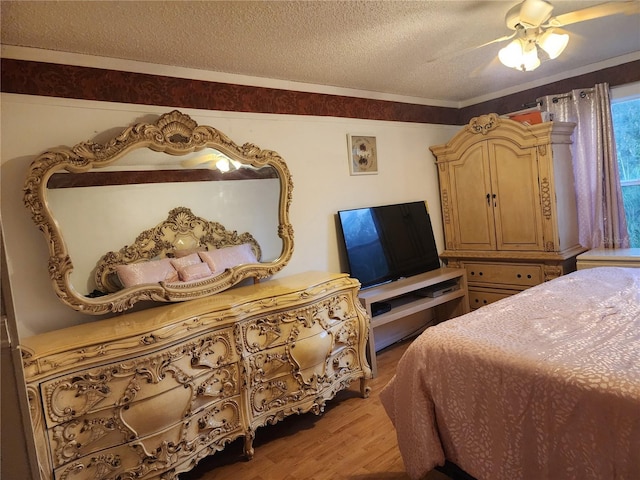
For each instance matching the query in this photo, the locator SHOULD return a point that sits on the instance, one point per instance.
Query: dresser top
(192, 316)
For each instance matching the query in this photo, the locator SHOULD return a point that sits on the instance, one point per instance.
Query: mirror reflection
(102, 209)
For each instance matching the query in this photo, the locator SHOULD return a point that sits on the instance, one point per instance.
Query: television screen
(388, 242)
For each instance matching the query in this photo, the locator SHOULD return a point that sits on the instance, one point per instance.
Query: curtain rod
(583, 94)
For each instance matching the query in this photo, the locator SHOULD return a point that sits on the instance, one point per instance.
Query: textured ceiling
(377, 46)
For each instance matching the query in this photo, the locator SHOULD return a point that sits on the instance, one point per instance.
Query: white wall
(315, 149)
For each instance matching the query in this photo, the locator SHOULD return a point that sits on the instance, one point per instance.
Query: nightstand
(609, 257)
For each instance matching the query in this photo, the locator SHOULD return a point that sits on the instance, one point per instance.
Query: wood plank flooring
(353, 439)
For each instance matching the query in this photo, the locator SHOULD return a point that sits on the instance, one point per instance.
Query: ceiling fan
(537, 34)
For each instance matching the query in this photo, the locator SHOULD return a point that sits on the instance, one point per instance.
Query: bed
(541, 385)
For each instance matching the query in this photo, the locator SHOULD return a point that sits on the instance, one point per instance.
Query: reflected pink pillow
(222, 258)
(140, 273)
(182, 262)
(194, 271)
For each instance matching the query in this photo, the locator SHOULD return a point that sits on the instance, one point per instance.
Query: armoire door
(472, 211)
(515, 197)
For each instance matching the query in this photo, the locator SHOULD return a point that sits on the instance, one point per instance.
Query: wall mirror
(121, 217)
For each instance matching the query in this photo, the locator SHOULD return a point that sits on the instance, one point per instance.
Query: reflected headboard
(182, 231)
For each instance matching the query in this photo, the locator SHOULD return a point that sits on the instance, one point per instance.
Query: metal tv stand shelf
(444, 290)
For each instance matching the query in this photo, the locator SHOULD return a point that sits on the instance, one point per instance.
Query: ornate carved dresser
(147, 394)
(150, 393)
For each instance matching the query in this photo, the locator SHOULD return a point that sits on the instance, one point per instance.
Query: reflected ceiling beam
(134, 177)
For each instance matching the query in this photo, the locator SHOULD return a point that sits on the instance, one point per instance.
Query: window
(625, 106)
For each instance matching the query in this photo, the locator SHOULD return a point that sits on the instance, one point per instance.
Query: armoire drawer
(525, 275)
(479, 297)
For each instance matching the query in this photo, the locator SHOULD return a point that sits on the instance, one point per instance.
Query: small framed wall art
(363, 155)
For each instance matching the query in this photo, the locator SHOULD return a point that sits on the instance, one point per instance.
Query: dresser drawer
(162, 450)
(306, 356)
(293, 373)
(121, 383)
(283, 327)
(525, 275)
(109, 427)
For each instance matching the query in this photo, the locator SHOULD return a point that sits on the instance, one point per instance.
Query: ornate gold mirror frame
(175, 134)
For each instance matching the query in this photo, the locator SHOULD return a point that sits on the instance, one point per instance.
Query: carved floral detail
(545, 195)
(103, 466)
(262, 365)
(483, 124)
(273, 395)
(69, 437)
(551, 272)
(348, 333)
(212, 351)
(221, 384)
(446, 214)
(222, 419)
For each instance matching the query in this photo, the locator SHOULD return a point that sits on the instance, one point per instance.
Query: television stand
(444, 290)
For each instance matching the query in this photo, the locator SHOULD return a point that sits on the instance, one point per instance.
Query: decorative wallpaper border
(68, 81)
(87, 83)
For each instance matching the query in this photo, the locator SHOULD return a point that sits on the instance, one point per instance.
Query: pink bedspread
(541, 385)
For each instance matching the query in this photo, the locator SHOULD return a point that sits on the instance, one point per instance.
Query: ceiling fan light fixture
(511, 54)
(521, 55)
(553, 43)
(529, 61)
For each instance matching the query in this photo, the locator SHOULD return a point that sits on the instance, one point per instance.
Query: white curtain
(601, 218)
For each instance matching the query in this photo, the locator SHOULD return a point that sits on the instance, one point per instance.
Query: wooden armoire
(508, 205)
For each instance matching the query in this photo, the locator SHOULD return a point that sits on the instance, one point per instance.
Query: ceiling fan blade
(534, 12)
(597, 11)
(471, 49)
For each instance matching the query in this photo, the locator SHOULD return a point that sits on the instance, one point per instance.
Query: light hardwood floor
(353, 439)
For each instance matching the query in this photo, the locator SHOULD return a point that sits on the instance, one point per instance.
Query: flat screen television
(388, 242)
